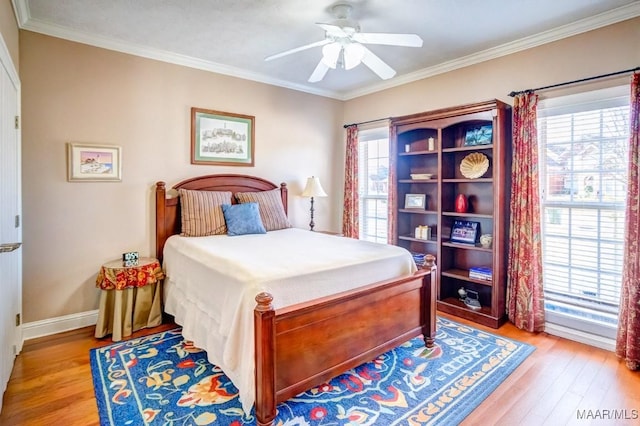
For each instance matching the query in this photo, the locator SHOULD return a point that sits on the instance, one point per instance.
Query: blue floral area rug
(162, 380)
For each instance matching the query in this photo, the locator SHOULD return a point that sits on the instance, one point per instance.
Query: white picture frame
(93, 162)
(415, 201)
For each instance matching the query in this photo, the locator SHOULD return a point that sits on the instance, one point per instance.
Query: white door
(10, 219)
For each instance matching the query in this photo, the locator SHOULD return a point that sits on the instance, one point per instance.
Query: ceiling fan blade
(333, 30)
(298, 49)
(319, 73)
(408, 40)
(377, 65)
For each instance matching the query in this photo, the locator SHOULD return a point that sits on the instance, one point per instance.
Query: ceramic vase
(461, 204)
(486, 240)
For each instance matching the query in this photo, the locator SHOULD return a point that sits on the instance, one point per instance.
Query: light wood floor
(51, 384)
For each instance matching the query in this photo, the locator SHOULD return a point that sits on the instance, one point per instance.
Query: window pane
(373, 187)
(583, 159)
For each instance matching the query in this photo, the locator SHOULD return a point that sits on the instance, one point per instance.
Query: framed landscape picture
(93, 163)
(222, 138)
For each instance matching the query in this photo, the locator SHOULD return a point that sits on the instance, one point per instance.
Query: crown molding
(38, 26)
(21, 10)
(588, 24)
(620, 14)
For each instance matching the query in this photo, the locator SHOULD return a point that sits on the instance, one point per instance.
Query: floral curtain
(525, 302)
(628, 339)
(392, 197)
(350, 214)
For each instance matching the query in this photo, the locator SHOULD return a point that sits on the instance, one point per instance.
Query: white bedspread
(212, 283)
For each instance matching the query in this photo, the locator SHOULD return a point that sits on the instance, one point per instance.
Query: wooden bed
(305, 345)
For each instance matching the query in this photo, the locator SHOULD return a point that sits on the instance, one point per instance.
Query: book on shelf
(481, 273)
(480, 277)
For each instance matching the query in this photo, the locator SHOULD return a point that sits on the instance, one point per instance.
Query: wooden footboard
(305, 345)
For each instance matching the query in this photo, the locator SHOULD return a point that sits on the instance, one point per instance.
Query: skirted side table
(131, 297)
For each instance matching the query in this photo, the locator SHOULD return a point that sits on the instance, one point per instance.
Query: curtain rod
(367, 122)
(512, 94)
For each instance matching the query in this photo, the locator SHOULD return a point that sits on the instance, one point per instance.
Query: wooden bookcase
(487, 199)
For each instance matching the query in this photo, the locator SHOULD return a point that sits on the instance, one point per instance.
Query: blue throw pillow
(243, 219)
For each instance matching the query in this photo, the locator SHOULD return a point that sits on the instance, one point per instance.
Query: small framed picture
(480, 135)
(415, 201)
(465, 232)
(93, 163)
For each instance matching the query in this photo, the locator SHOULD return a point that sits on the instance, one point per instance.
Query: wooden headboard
(168, 221)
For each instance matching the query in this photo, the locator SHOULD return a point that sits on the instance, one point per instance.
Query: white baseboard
(580, 336)
(31, 330)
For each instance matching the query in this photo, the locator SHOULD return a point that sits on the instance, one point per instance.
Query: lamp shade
(353, 54)
(313, 188)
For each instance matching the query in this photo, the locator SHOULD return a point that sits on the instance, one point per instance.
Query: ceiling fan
(343, 46)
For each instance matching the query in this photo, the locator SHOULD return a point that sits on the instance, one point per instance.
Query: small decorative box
(422, 232)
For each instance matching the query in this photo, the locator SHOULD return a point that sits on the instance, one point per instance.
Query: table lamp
(313, 189)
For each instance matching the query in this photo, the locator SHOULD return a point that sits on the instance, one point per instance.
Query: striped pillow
(270, 206)
(202, 212)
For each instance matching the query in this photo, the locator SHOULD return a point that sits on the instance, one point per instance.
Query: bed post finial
(430, 261)
(264, 300)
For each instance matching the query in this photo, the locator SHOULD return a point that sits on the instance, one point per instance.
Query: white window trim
(579, 336)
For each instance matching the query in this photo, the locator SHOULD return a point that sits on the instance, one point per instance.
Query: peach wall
(612, 48)
(9, 30)
(74, 92)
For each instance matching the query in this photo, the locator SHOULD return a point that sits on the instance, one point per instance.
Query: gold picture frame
(222, 138)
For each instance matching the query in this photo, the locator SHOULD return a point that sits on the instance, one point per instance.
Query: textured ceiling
(234, 36)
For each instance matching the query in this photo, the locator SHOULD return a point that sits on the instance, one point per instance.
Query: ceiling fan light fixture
(353, 54)
(331, 53)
